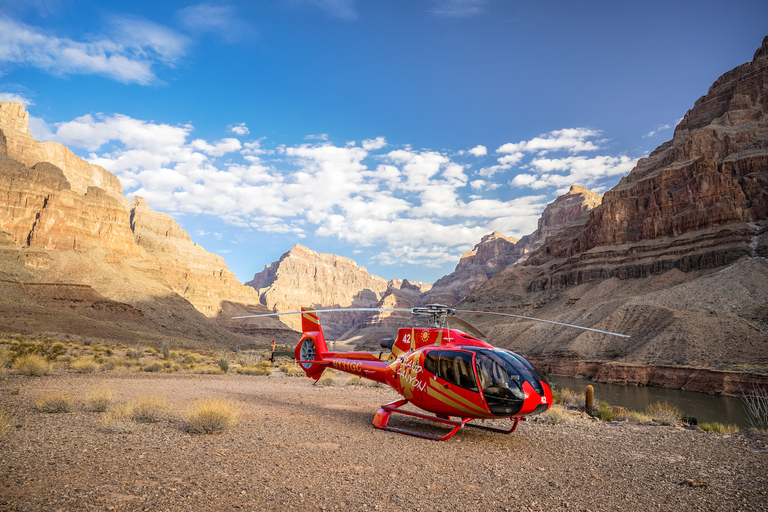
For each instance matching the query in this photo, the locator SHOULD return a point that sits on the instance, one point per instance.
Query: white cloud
(239, 129)
(415, 204)
(9, 96)
(572, 140)
(128, 55)
(478, 151)
(576, 170)
(317, 136)
(661, 128)
(374, 144)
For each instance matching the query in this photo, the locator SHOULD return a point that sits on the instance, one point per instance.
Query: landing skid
(385, 411)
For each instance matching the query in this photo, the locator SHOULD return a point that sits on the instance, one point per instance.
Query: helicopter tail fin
(309, 351)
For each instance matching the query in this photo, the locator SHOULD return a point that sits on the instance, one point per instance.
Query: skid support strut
(385, 411)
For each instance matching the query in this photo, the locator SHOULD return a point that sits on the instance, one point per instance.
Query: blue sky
(394, 132)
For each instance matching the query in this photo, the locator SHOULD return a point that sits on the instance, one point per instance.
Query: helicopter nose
(536, 403)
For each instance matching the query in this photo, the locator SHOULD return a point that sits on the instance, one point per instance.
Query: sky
(394, 132)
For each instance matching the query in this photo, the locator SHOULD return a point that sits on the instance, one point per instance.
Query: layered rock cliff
(303, 277)
(674, 256)
(65, 223)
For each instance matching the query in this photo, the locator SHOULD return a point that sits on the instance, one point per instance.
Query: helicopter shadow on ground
(348, 411)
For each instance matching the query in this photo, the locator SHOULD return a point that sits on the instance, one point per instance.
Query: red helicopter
(440, 370)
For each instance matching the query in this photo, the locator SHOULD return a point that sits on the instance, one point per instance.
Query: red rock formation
(675, 255)
(67, 222)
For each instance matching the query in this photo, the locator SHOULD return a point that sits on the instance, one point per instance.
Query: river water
(705, 408)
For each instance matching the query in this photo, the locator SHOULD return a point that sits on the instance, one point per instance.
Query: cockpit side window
(430, 362)
(456, 368)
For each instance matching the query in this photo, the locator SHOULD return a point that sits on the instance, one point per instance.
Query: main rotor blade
(546, 321)
(468, 326)
(323, 311)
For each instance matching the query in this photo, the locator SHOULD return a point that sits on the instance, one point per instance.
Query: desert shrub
(756, 408)
(637, 417)
(328, 380)
(556, 415)
(253, 370)
(118, 419)
(569, 398)
(45, 348)
(134, 353)
(291, 370)
(212, 415)
(246, 359)
(84, 366)
(604, 412)
(719, 428)
(32, 365)
(99, 398)
(165, 348)
(151, 409)
(355, 381)
(54, 401)
(155, 366)
(223, 361)
(664, 413)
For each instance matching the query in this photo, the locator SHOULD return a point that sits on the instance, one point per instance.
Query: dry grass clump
(6, 422)
(719, 428)
(54, 401)
(223, 361)
(246, 359)
(254, 369)
(32, 365)
(99, 398)
(360, 381)
(119, 419)
(84, 366)
(151, 409)
(328, 380)
(664, 413)
(155, 366)
(557, 415)
(569, 398)
(291, 370)
(212, 415)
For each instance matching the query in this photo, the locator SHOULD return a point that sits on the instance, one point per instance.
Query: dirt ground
(304, 447)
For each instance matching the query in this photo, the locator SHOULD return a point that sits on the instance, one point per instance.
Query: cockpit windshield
(501, 374)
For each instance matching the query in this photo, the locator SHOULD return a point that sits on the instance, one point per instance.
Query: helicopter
(441, 370)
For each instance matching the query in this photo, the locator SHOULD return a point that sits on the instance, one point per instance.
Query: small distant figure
(272, 359)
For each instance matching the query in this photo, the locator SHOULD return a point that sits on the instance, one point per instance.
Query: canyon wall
(65, 222)
(674, 256)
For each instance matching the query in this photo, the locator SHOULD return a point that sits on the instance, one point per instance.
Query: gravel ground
(304, 447)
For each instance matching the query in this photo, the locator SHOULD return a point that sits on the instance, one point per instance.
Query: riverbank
(702, 380)
(304, 447)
